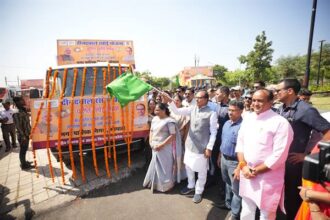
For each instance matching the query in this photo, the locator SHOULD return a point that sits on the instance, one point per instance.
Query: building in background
(197, 76)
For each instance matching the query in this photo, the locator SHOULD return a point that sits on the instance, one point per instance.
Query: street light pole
(311, 32)
(319, 66)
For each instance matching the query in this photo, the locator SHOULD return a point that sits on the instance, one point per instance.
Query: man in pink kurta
(262, 149)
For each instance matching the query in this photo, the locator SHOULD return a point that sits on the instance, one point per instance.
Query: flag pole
(161, 92)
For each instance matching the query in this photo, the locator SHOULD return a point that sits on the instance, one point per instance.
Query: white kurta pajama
(265, 138)
(196, 162)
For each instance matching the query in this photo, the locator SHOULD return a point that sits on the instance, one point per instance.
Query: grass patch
(322, 103)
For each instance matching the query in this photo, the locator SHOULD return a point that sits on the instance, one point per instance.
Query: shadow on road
(5, 207)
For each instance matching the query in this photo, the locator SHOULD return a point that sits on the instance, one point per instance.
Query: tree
(237, 77)
(258, 60)
(291, 66)
(219, 72)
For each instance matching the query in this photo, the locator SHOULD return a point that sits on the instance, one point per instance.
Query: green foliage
(290, 66)
(219, 72)
(159, 82)
(258, 61)
(324, 88)
(236, 77)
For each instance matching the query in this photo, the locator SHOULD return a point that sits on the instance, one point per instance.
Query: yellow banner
(39, 137)
(92, 51)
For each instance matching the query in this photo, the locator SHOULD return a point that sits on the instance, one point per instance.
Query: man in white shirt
(189, 98)
(199, 142)
(7, 125)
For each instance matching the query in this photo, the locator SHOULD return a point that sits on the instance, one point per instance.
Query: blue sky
(166, 33)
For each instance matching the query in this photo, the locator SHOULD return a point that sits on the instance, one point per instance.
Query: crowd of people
(251, 142)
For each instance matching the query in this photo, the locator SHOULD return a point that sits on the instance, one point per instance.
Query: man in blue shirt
(227, 159)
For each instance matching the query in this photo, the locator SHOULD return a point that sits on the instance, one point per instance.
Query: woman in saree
(165, 141)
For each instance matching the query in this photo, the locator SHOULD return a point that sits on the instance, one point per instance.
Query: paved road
(127, 199)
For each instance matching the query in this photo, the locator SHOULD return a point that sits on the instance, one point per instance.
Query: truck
(76, 114)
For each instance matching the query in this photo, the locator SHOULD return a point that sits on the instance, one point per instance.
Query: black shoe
(29, 162)
(221, 206)
(7, 149)
(26, 166)
(14, 146)
(186, 191)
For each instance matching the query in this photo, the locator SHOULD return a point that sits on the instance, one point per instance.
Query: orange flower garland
(105, 120)
(35, 162)
(114, 127)
(48, 125)
(42, 104)
(75, 73)
(108, 112)
(60, 107)
(82, 92)
(38, 118)
(93, 124)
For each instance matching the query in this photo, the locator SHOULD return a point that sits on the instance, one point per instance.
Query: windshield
(89, 81)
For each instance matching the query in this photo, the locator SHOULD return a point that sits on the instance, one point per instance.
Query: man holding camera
(303, 118)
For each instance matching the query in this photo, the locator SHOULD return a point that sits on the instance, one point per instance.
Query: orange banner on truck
(92, 51)
(40, 134)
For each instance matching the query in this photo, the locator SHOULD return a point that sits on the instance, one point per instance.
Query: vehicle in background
(7, 93)
(28, 94)
(74, 111)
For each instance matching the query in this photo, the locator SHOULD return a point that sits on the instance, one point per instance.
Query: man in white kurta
(199, 142)
(262, 149)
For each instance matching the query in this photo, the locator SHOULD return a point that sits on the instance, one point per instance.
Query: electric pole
(311, 32)
(319, 66)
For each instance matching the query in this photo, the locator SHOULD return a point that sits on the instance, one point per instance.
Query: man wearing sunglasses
(303, 118)
(189, 98)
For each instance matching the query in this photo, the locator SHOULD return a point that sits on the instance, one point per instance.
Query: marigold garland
(48, 125)
(108, 114)
(75, 73)
(60, 107)
(93, 124)
(105, 120)
(38, 117)
(35, 162)
(114, 127)
(47, 83)
(82, 93)
(42, 104)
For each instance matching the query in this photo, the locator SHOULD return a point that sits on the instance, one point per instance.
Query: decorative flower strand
(93, 124)
(75, 73)
(108, 107)
(35, 162)
(48, 125)
(36, 122)
(59, 136)
(105, 120)
(82, 93)
(114, 126)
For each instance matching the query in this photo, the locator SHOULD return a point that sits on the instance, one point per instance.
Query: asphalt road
(127, 199)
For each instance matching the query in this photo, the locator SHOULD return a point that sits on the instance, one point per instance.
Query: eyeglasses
(187, 94)
(178, 90)
(198, 97)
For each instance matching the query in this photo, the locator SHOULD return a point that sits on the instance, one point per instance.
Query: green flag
(177, 80)
(127, 88)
